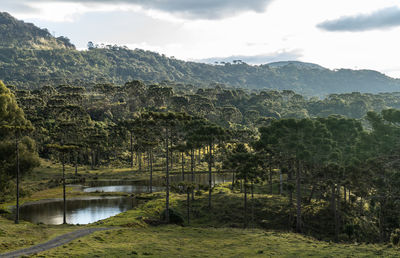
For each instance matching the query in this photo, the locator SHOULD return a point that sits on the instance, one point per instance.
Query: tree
(168, 122)
(304, 141)
(211, 134)
(13, 121)
(247, 167)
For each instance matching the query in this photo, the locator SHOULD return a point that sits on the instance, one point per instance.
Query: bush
(395, 237)
(174, 217)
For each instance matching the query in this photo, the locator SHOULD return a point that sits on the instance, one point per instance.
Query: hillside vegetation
(31, 57)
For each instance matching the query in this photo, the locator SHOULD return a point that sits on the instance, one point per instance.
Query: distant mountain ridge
(296, 63)
(31, 57)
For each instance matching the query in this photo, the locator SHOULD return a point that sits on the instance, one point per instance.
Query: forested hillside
(31, 57)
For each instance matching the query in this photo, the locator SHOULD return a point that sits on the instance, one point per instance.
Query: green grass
(211, 233)
(177, 241)
(17, 236)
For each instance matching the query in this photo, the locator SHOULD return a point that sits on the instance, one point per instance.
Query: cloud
(195, 9)
(20, 7)
(122, 28)
(384, 18)
(257, 59)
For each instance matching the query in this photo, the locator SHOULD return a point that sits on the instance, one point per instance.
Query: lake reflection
(122, 189)
(142, 186)
(79, 210)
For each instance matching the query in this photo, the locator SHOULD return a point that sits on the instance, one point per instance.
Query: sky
(355, 34)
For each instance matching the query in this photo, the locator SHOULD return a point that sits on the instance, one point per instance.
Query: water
(79, 210)
(129, 186)
(87, 210)
(122, 189)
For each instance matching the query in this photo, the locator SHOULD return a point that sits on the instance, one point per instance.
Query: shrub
(395, 237)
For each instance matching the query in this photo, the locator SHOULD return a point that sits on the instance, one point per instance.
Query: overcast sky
(356, 34)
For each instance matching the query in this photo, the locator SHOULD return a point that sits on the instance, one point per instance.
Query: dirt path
(58, 241)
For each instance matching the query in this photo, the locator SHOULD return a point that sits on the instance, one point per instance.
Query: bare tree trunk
(188, 205)
(290, 178)
(345, 194)
(172, 159)
(64, 197)
(183, 166)
(17, 159)
(252, 202)
(209, 175)
(280, 182)
(270, 175)
(93, 157)
(151, 171)
(245, 202)
(167, 178)
(192, 169)
(140, 161)
(335, 213)
(381, 221)
(233, 180)
(312, 193)
(298, 197)
(76, 163)
(131, 148)
(199, 156)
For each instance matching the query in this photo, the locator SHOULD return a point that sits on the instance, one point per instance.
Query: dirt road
(58, 241)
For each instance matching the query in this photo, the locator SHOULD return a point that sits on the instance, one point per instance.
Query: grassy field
(13, 237)
(210, 233)
(177, 241)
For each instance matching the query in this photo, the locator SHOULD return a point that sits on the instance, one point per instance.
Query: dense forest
(31, 57)
(318, 146)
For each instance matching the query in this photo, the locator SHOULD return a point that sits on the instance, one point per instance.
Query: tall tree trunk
(312, 193)
(270, 175)
(209, 174)
(188, 205)
(131, 148)
(290, 179)
(76, 163)
(344, 194)
(183, 166)
(167, 178)
(17, 192)
(280, 182)
(64, 197)
(245, 202)
(140, 161)
(338, 210)
(151, 171)
(92, 160)
(233, 180)
(252, 202)
(192, 169)
(172, 159)
(298, 197)
(199, 156)
(333, 202)
(382, 237)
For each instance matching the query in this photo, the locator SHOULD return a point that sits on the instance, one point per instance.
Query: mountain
(31, 57)
(18, 34)
(297, 64)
